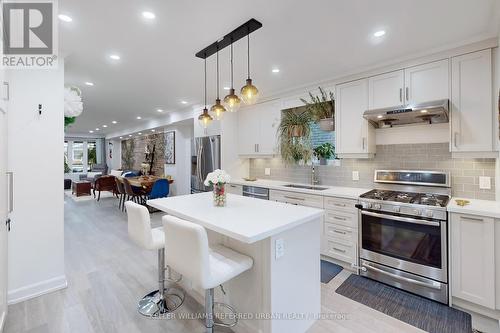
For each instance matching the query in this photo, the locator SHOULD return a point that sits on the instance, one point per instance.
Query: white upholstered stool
(187, 252)
(163, 300)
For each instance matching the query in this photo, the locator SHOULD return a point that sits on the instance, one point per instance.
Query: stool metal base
(153, 305)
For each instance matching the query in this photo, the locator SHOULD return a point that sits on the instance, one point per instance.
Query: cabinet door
(428, 82)
(234, 189)
(269, 115)
(385, 90)
(248, 131)
(473, 259)
(471, 103)
(352, 130)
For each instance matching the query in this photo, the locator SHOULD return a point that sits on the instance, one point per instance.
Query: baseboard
(36, 289)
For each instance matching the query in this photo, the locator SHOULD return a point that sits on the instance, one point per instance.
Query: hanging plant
(294, 134)
(322, 109)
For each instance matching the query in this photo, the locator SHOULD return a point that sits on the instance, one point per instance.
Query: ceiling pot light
(139, 133)
(97, 129)
(153, 130)
(249, 93)
(138, 117)
(379, 33)
(184, 102)
(121, 137)
(104, 126)
(114, 122)
(159, 110)
(218, 109)
(232, 101)
(276, 70)
(205, 119)
(130, 135)
(380, 116)
(114, 57)
(64, 18)
(148, 15)
(91, 131)
(91, 84)
(226, 88)
(423, 111)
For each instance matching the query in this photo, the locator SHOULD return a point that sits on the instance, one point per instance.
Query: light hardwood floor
(107, 275)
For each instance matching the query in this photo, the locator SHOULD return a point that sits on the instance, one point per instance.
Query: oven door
(413, 245)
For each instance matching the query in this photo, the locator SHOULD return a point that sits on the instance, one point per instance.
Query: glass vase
(219, 195)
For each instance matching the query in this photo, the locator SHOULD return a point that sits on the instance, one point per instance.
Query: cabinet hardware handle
(363, 143)
(401, 94)
(339, 218)
(472, 218)
(339, 205)
(407, 94)
(294, 198)
(10, 191)
(339, 250)
(258, 148)
(7, 87)
(455, 140)
(340, 232)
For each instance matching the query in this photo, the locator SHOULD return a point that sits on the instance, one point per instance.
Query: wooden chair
(120, 189)
(136, 195)
(105, 183)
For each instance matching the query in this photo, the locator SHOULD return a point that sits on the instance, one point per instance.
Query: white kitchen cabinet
(257, 128)
(472, 117)
(427, 82)
(355, 136)
(234, 189)
(386, 90)
(473, 259)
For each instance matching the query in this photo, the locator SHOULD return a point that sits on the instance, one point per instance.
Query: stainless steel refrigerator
(205, 158)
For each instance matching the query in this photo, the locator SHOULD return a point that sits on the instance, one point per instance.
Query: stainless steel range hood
(424, 113)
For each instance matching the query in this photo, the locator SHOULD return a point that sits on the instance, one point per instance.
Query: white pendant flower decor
(73, 105)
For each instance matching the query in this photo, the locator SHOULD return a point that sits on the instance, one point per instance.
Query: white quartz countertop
(245, 219)
(476, 207)
(331, 191)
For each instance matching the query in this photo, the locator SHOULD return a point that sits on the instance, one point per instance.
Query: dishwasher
(256, 192)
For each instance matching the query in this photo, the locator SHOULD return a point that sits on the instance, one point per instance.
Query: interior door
(4, 197)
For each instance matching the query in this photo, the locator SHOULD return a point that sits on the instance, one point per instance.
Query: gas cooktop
(427, 199)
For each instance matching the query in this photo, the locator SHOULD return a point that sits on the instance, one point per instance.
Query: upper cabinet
(427, 82)
(257, 128)
(386, 90)
(355, 136)
(423, 83)
(472, 116)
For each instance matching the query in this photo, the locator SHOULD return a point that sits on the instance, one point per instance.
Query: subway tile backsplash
(464, 172)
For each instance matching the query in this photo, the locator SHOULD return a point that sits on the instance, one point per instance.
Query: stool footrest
(233, 315)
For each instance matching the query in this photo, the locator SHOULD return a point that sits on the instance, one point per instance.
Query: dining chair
(160, 189)
(120, 189)
(134, 194)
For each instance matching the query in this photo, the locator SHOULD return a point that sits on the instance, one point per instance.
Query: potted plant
(294, 136)
(218, 180)
(324, 152)
(322, 109)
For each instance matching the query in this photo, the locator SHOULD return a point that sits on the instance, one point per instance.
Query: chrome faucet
(314, 180)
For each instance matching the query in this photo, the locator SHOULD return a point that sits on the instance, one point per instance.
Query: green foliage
(326, 151)
(294, 136)
(66, 167)
(69, 121)
(320, 107)
(92, 156)
(128, 159)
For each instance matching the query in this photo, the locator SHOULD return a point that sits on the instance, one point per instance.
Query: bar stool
(187, 252)
(160, 301)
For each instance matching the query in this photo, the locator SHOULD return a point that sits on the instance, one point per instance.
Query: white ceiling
(308, 41)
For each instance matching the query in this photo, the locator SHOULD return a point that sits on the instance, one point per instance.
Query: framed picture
(170, 147)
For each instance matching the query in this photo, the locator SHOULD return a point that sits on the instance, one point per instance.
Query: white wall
(181, 170)
(36, 241)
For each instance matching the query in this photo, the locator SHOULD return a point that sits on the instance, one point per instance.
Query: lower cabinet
(234, 189)
(472, 247)
(339, 238)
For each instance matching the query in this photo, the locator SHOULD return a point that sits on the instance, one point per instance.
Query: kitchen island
(281, 293)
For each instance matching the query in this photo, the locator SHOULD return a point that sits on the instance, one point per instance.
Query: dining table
(146, 182)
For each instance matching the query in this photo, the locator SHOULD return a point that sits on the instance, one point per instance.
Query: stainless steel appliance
(205, 158)
(429, 112)
(256, 192)
(403, 232)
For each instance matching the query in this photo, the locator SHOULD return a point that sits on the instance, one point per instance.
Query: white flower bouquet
(218, 180)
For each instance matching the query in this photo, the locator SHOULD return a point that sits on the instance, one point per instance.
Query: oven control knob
(417, 212)
(377, 206)
(367, 205)
(429, 213)
(397, 209)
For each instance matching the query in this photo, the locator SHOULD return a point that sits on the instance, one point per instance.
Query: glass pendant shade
(249, 93)
(232, 101)
(205, 119)
(218, 110)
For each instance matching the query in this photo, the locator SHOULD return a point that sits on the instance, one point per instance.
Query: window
(82, 155)
(91, 154)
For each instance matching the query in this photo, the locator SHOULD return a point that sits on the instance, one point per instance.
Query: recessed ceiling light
(130, 135)
(140, 133)
(89, 83)
(379, 33)
(121, 137)
(276, 70)
(159, 110)
(65, 18)
(153, 130)
(115, 57)
(380, 116)
(97, 129)
(114, 122)
(184, 102)
(104, 126)
(138, 118)
(423, 111)
(148, 15)
(227, 88)
(91, 131)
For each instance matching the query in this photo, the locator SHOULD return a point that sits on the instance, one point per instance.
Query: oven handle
(402, 219)
(435, 285)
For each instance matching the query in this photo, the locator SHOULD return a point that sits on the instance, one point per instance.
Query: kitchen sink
(307, 187)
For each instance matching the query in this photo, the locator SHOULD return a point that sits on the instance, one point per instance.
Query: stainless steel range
(403, 232)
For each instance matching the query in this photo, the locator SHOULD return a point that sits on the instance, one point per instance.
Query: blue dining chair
(160, 189)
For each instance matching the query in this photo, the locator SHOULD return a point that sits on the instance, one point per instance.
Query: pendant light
(232, 101)
(204, 118)
(249, 93)
(218, 109)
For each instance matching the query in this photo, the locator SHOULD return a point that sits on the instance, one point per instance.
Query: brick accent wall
(436, 156)
(139, 152)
